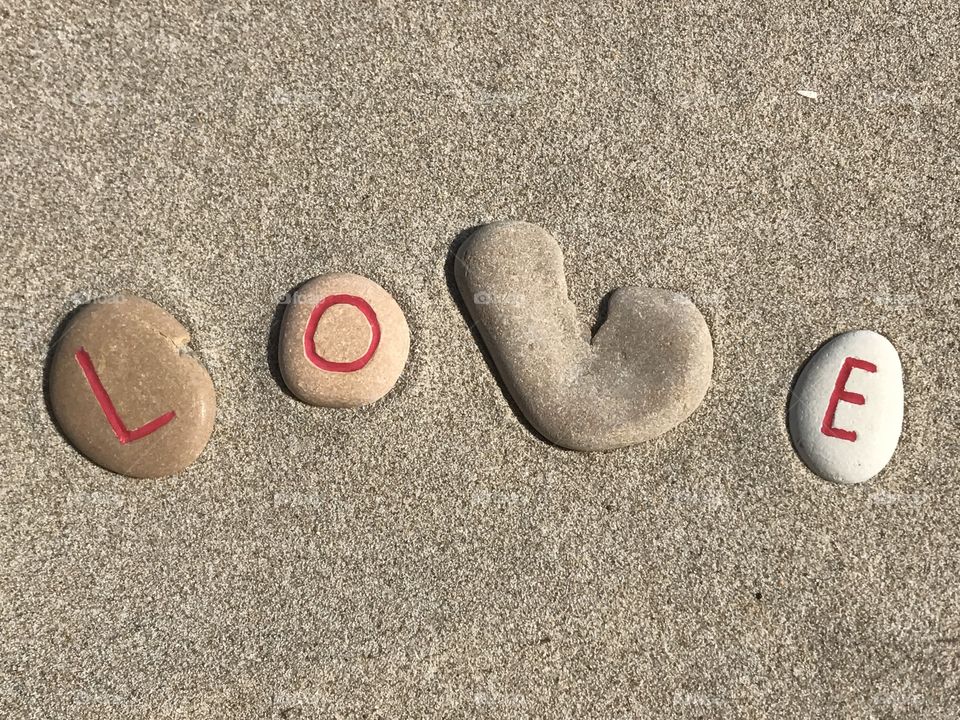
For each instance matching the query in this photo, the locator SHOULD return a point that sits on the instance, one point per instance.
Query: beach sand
(430, 556)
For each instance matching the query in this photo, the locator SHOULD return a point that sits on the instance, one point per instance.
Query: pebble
(344, 341)
(846, 409)
(124, 393)
(644, 371)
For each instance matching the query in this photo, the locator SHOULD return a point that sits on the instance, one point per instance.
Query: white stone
(861, 438)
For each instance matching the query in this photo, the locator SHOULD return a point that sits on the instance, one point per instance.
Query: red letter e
(840, 392)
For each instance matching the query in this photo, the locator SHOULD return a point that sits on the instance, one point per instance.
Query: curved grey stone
(645, 371)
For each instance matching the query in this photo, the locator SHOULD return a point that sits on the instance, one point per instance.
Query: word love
(127, 395)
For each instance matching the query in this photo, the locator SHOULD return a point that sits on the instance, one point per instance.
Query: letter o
(309, 342)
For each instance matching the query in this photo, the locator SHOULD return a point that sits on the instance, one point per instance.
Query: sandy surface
(429, 556)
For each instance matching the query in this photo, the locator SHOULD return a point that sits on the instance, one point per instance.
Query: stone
(846, 409)
(645, 370)
(344, 341)
(125, 392)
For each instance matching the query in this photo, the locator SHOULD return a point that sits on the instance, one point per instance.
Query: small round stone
(846, 409)
(125, 393)
(343, 342)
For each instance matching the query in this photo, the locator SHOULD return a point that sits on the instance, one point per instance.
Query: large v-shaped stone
(645, 371)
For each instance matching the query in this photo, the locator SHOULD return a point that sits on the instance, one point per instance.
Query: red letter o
(310, 346)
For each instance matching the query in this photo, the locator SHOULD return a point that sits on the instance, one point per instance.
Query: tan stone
(125, 394)
(643, 372)
(330, 354)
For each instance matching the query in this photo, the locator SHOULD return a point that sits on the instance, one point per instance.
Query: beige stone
(124, 392)
(344, 341)
(644, 371)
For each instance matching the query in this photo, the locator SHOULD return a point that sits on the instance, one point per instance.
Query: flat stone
(644, 371)
(846, 409)
(343, 342)
(124, 392)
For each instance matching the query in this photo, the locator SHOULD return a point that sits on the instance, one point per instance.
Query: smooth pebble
(846, 409)
(344, 341)
(125, 392)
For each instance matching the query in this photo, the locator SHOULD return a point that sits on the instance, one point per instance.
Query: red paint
(840, 393)
(106, 404)
(310, 346)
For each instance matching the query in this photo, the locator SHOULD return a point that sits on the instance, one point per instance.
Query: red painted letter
(840, 392)
(106, 404)
(310, 347)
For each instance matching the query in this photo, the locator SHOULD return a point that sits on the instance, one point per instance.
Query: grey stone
(645, 370)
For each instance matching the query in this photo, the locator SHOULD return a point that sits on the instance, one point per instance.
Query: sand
(430, 556)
